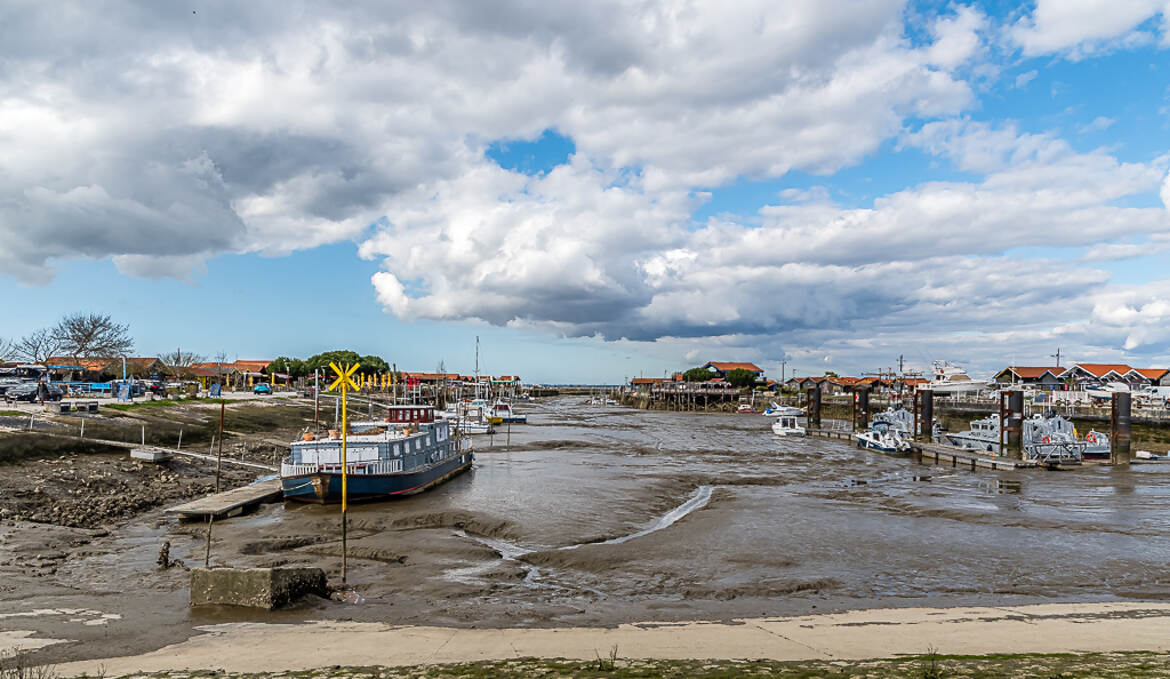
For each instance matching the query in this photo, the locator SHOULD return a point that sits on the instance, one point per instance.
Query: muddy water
(594, 515)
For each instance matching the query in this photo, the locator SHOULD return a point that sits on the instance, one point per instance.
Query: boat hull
(325, 487)
(867, 444)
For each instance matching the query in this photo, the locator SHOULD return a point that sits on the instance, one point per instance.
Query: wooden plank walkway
(230, 502)
(938, 453)
(970, 459)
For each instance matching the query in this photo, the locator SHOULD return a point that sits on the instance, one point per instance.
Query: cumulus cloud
(1087, 26)
(586, 251)
(165, 135)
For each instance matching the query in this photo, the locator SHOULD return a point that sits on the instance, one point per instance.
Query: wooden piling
(1120, 436)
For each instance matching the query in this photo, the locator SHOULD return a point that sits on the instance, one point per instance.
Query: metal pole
(82, 427)
(344, 477)
(218, 457)
(207, 552)
(316, 398)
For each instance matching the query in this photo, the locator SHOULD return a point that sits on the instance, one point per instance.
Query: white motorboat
(788, 425)
(948, 379)
(883, 439)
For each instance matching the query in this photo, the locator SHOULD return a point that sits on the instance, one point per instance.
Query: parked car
(30, 390)
(261, 389)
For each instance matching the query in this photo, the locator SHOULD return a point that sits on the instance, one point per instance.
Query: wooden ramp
(230, 502)
(971, 459)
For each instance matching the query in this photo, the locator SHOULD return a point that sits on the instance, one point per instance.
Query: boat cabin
(410, 414)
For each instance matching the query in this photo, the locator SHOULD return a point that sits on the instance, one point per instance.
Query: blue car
(261, 389)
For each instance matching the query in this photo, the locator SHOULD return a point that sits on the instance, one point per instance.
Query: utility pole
(783, 365)
(1056, 356)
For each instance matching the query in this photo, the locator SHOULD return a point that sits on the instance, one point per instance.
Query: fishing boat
(407, 453)
(1097, 445)
(467, 417)
(501, 412)
(787, 421)
(1047, 438)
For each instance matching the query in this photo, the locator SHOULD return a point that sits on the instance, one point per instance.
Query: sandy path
(1046, 628)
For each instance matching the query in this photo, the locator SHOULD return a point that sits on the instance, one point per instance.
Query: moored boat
(407, 453)
(502, 413)
(787, 423)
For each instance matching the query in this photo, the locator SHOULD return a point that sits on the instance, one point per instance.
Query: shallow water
(675, 506)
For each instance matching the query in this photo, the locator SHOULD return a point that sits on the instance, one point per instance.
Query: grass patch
(1025, 666)
(12, 413)
(163, 403)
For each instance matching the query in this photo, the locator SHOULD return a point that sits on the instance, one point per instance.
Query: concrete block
(266, 588)
(148, 455)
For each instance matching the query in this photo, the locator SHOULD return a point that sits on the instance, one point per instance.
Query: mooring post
(861, 415)
(82, 435)
(814, 407)
(1120, 437)
(926, 424)
(1012, 421)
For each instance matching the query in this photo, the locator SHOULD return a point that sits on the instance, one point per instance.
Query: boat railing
(355, 468)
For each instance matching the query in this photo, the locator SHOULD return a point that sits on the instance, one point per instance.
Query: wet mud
(605, 515)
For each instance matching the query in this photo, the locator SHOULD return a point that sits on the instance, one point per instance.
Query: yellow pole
(344, 477)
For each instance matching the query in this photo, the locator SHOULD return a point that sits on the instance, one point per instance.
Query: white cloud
(1024, 78)
(1098, 124)
(1082, 27)
(271, 127)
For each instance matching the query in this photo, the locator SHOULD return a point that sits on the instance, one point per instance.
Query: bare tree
(38, 346)
(221, 365)
(7, 349)
(85, 335)
(180, 362)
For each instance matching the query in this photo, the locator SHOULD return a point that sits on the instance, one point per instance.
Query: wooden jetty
(970, 459)
(836, 434)
(230, 502)
(937, 453)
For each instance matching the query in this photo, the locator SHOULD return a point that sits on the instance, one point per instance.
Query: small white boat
(883, 439)
(787, 425)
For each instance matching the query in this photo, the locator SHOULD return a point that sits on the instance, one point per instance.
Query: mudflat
(598, 518)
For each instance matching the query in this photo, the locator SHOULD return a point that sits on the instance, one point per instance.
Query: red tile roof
(647, 380)
(1152, 373)
(1031, 372)
(1103, 369)
(250, 366)
(729, 366)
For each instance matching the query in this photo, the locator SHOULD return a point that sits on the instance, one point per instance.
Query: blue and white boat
(404, 454)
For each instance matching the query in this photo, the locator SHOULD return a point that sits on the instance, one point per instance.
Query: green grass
(611, 665)
(12, 413)
(125, 407)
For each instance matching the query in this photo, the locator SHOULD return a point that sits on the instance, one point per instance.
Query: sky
(596, 190)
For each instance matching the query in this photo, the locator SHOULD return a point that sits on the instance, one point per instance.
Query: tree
(85, 335)
(740, 378)
(373, 365)
(38, 346)
(180, 362)
(697, 375)
(830, 373)
(293, 367)
(7, 349)
(370, 365)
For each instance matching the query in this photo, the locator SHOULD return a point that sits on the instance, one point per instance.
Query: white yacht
(947, 379)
